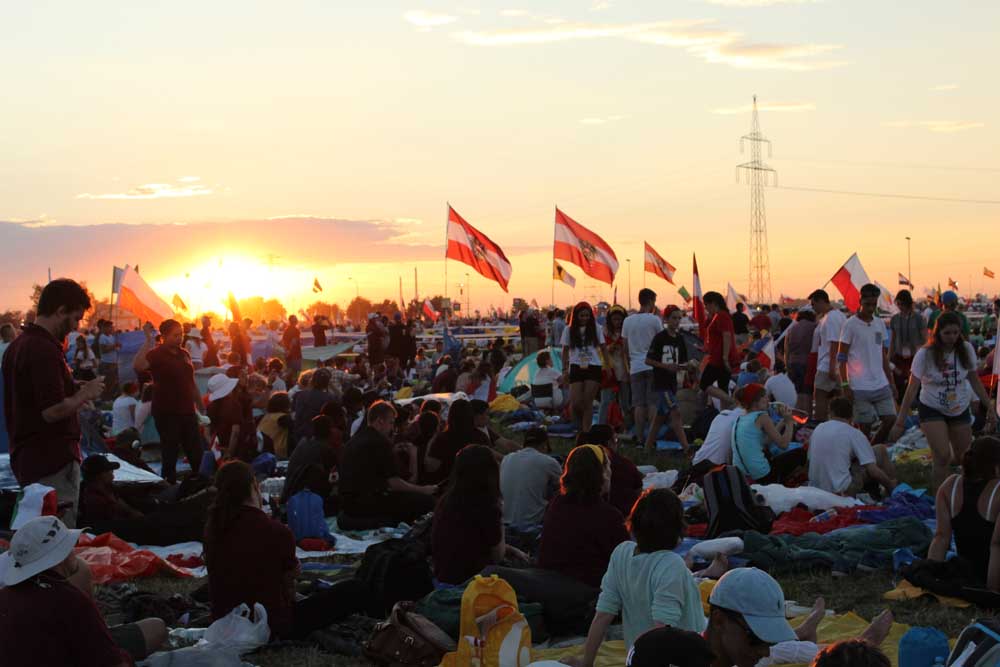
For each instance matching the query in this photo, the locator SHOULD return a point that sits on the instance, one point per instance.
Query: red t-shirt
(36, 377)
(461, 541)
(291, 340)
(577, 538)
(721, 323)
(248, 564)
(761, 322)
(174, 390)
(48, 621)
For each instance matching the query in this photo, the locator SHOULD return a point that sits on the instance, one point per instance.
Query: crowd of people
(578, 529)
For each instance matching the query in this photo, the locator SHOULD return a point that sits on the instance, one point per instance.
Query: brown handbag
(407, 639)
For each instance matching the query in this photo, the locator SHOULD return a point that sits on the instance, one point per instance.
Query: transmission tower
(757, 173)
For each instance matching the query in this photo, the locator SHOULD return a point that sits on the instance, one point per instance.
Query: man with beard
(41, 400)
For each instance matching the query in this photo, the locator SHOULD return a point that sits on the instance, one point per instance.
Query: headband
(598, 452)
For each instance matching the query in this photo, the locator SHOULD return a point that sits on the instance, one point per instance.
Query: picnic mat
(907, 591)
(831, 629)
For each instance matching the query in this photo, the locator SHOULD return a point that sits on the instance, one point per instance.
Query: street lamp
(909, 268)
(628, 263)
(468, 295)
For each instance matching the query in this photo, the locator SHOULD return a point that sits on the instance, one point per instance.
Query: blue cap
(949, 297)
(759, 599)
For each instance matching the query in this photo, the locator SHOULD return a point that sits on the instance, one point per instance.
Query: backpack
(922, 647)
(731, 504)
(493, 632)
(395, 570)
(406, 639)
(978, 645)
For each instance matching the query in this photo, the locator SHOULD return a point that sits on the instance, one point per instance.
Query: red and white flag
(988, 273)
(766, 356)
(470, 246)
(698, 310)
(659, 266)
(577, 244)
(430, 312)
(849, 280)
(732, 298)
(137, 297)
(903, 280)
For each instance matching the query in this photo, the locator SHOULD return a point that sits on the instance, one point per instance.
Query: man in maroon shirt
(291, 340)
(176, 404)
(41, 400)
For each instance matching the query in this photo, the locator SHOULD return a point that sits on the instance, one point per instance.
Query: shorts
(825, 383)
(66, 483)
(715, 375)
(867, 410)
(797, 374)
(667, 403)
(130, 639)
(581, 374)
(929, 414)
(643, 395)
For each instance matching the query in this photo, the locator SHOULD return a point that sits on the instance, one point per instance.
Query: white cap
(38, 545)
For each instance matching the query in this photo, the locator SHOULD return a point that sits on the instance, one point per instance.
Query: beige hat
(38, 545)
(221, 385)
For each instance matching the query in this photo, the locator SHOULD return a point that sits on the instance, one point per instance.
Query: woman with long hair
(967, 509)
(251, 559)
(582, 350)
(467, 533)
(581, 528)
(943, 373)
(442, 450)
(615, 380)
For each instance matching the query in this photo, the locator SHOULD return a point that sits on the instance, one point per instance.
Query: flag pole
(447, 222)
(554, 254)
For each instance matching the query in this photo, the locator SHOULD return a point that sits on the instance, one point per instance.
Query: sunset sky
(255, 145)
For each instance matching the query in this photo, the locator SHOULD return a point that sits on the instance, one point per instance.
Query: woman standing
(616, 368)
(943, 372)
(583, 348)
(196, 347)
(84, 360)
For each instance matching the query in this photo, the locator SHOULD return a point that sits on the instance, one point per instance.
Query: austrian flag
(577, 244)
(659, 266)
(470, 246)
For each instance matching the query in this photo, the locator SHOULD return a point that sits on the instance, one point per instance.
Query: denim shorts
(929, 414)
(667, 403)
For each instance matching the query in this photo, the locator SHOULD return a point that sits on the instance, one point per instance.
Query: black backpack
(394, 571)
(731, 504)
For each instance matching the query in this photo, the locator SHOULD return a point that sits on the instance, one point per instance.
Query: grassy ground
(861, 592)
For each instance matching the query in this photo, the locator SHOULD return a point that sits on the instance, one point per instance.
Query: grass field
(861, 592)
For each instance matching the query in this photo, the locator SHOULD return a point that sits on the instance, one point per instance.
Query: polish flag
(137, 297)
(767, 355)
(698, 310)
(430, 312)
(470, 246)
(659, 266)
(849, 280)
(577, 244)
(886, 300)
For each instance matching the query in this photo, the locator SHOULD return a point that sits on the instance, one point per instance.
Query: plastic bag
(239, 630)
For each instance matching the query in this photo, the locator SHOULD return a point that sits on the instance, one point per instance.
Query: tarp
(523, 372)
(326, 352)
(127, 473)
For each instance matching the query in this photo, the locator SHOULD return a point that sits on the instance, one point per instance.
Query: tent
(523, 372)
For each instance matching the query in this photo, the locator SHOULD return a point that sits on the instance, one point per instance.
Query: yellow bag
(492, 632)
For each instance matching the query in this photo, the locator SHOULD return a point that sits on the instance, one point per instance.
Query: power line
(890, 195)
(898, 165)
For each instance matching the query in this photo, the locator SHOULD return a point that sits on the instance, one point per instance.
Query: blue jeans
(608, 395)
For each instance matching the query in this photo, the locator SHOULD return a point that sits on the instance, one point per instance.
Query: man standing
(638, 331)
(864, 367)
(949, 303)
(291, 341)
(741, 325)
(909, 333)
(108, 352)
(211, 357)
(827, 338)
(176, 404)
(41, 400)
(319, 331)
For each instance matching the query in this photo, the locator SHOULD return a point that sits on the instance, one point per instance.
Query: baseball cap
(669, 647)
(949, 297)
(95, 464)
(758, 598)
(40, 544)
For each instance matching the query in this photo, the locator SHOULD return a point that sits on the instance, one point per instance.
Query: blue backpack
(921, 647)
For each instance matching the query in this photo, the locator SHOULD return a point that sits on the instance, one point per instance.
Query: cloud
(759, 3)
(187, 186)
(425, 20)
(943, 126)
(514, 13)
(791, 107)
(943, 87)
(601, 120)
(600, 5)
(699, 37)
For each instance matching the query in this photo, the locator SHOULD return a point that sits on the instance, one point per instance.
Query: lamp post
(468, 295)
(628, 263)
(909, 268)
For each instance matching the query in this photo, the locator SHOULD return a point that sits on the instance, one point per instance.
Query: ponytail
(234, 483)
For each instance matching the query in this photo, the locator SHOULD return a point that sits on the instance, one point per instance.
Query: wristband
(845, 384)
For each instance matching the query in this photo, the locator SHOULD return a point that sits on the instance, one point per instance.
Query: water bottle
(824, 516)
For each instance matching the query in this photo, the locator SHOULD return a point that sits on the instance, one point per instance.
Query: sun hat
(40, 544)
(759, 599)
(221, 385)
(194, 333)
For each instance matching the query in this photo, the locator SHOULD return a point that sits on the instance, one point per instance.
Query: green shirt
(966, 331)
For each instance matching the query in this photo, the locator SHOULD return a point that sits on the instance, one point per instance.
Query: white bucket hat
(221, 385)
(38, 545)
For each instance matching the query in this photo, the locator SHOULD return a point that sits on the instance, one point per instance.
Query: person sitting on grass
(646, 582)
(626, 480)
(276, 424)
(581, 528)
(755, 431)
(841, 460)
(467, 530)
(47, 611)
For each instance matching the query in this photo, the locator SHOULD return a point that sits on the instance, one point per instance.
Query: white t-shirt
(639, 329)
(196, 348)
(718, 445)
(782, 389)
(946, 391)
(827, 331)
(105, 340)
(585, 356)
(84, 359)
(832, 447)
(121, 417)
(865, 370)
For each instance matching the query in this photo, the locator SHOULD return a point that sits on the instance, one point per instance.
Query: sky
(255, 146)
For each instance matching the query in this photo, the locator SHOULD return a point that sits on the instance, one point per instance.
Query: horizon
(293, 143)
